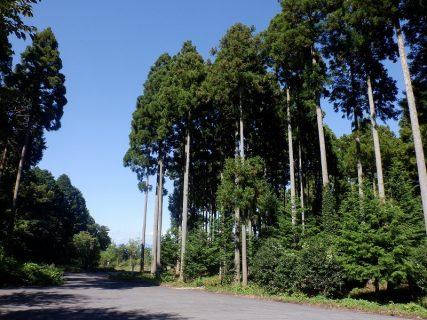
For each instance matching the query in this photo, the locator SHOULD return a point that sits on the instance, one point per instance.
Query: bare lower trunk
(3, 161)
(325, 176)
(155, 226)
(185, 206)
(320, 129)
(358, 156)
(291, 157)
(178, 260)
(242, 158)
(377, 149)
(159, 225)
(144, 224)
(236, 221)
(18, 183)
(301, 183)
(374, 188)
(419, 152)
(241, 135)
(244, 256)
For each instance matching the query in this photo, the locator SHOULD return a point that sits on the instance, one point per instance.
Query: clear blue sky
(107, 48)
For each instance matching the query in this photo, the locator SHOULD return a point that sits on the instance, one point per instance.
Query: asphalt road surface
(92, 297)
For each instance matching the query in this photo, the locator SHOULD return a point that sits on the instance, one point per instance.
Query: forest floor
(94, 296)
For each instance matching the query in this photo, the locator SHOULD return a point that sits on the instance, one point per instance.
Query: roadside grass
(13, 272)
(213, 284)
(130, 276)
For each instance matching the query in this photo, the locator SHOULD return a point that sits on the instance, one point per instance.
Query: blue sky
(107, 49)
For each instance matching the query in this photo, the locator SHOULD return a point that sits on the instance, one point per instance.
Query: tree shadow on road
(31, 299)
(103, 281)
(87, 314)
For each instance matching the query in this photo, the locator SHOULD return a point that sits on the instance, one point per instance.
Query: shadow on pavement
(101, 281)
(32, 299)
(87, 314)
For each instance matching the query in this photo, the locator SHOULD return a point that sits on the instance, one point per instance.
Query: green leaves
(244, 186)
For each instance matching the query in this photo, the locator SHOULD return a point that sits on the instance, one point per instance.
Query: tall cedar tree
(183, 97)
(237, 82)
(361, 84)
(39, 79)
(147, 141)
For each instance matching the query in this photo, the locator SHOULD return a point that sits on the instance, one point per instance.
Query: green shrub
(265, 263)
(201, 258)
(9, 271)
(418, 274)
(312, 270)
(14, 273)
(318, 271)
(35, 274)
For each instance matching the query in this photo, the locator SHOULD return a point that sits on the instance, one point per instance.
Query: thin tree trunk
(244, 244)
(178, 260)
(3, 161)
(322, 145)
(419, 152)
(301, 182)
(358, 155)
(377, 149)
(237, 223)
(291, 157)
(18, 182)
(155, 226)
(242, 136)
(374, 187)
(144, 224)
(185, 205)
(244, 256)
(159, 225)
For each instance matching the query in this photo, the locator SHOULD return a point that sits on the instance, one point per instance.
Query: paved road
(91, 297)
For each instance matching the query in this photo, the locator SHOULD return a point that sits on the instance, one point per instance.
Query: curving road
(91, 297)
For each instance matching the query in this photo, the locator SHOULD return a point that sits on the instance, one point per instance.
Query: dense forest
(43, 220)
(263, 190)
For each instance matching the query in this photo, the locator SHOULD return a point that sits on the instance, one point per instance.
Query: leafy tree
(101, 234)
(87, 249)
(109, 257)
(75, 204)
(11, 14)
(133, 248)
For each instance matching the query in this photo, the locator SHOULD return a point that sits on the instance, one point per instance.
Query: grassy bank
(212, 284)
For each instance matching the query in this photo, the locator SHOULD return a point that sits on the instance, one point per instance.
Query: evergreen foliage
(267, 183)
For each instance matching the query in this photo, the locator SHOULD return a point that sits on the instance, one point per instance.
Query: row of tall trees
(243, 137)
(39, 215)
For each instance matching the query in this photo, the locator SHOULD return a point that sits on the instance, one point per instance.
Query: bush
(35, 274)
(14, 273)
(318, 271)
(312, 270)
(266, 265)
(418, 274)
(9, 271)
(201, 258)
